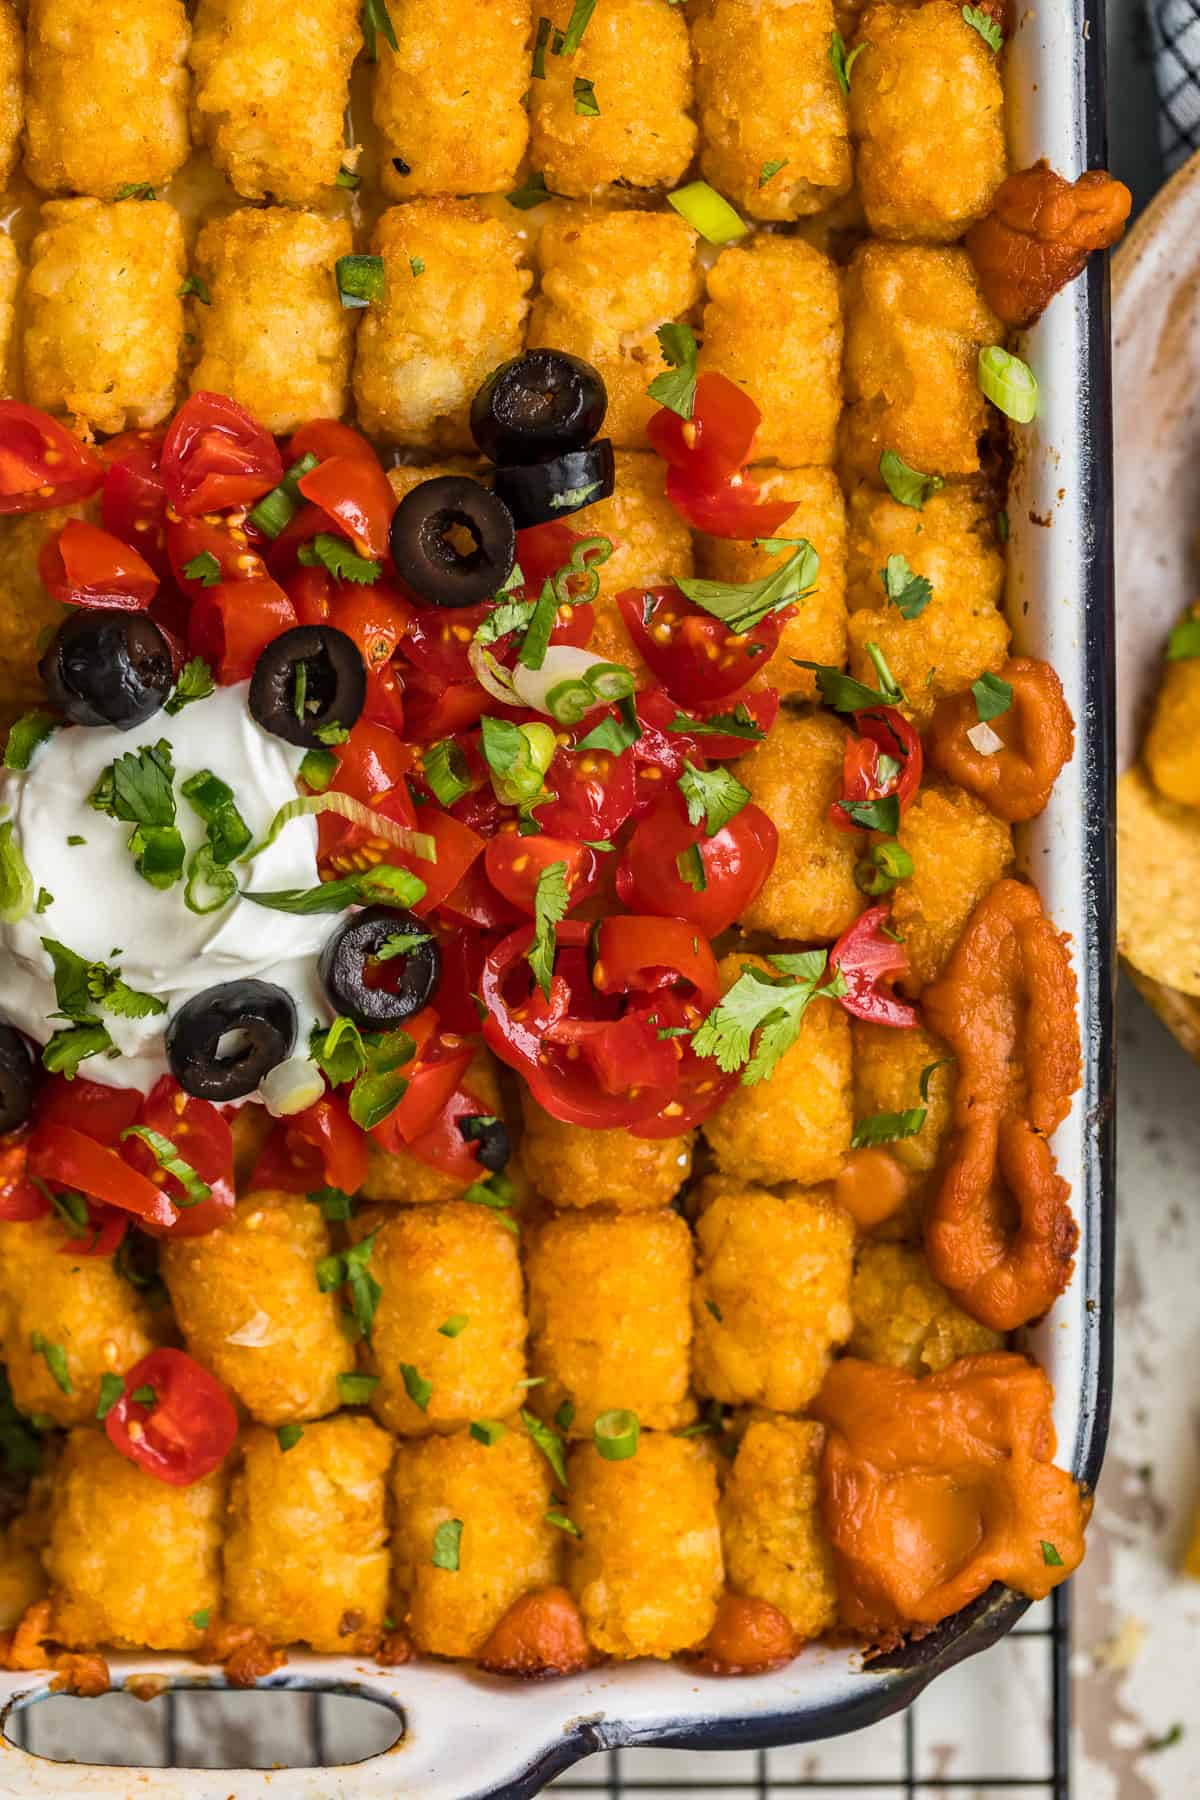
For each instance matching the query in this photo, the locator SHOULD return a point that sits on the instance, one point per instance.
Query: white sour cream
(102, 908)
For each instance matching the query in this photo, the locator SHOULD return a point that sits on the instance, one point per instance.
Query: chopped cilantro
(562, 1522)
(454, 1325)
(874, 815)
(845, 694)
(547, 1441)
(532, 194)
(111, 1389)
(887, 1127)
(910, 594)
(759, 1019)
(360, 279)
(992, 697)
(743, 605)
(487, 1431)
(770, 169)
(985, 25)
(56, 1361)
(713, 795)
(288, 1436)
(334, 554)
(135, 190)
(550, 904)
(195, 284)
(356, 1390)
(907, 485)
(1050, 1556)
(195, 683)
(676, 387)
(843, 63)
(586, 104)
(25, 735)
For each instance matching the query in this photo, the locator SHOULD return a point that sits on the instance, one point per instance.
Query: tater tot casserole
(527, 1065)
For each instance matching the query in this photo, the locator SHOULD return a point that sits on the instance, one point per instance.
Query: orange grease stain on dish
(1037, 737)
(871, 1187)
(540, 1634)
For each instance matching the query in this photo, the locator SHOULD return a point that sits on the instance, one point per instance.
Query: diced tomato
(100, 1112)
(457, 847)
(514, 864)
(664, 849)
(443, 1145)
(374, 616)
(717, 440)
(232, 624)
(436, 709)
(84, 566)
(868, 961)
(594, 794)
(105, 1233)
(283, 557)
(463, 956)
(882, 731)
(42, 464)
(324, 438)
(354, 492)
(701, 1087)
(202, 1137)
(219, 542)
(215, 454)
(760, 707)
(311, 593)
(646, 954)
(542, 550)
(696, 657)
(373, 766)
(19, 1199)
(384, 704)
(320, 1147)
(186, 1431)
(133, 500)
(478, 903)
(64, 1157)
(438, 638)
(439, 1066)
(734, 510)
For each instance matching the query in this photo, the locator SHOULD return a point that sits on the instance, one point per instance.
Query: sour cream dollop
(101, 907)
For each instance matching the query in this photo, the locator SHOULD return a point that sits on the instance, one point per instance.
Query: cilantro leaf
(739, 724)
(759, 1019)
(874, 815)
(73, 1045)
(842, 63)
(985, 25)
(769, 169)
(194, 284)
(910, 594)
(510, 615)
(743, 605)
(992, 697)
(375, 19)
(56, 1361)
(195, 683)
(887, 1128)
(550, 904)
(1050, 1555)
(614, 734)
(532, 194)
(203, 568)
(713, 795)
(930, 1070)
(334, 554)
(25, 735)
(845, 694)
(81, 986)
(16, 883)
(907, 485)
(139, 787)
(676, 387)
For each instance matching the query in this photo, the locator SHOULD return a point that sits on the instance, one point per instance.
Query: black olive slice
(535, 493)
(16, 1079)
(306, 681)
(108, 666)
(489, 1133)
(538, 405)
(407, 979)
(453, 542)
(223, 1041)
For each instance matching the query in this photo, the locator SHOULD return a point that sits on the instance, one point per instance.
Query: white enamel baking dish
(472, 1738)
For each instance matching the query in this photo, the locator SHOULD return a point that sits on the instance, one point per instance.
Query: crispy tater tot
(796, 1126)
(795, 776)
(651, 547)
(608, 1316)
(103, 317)
(903, 1315)
(499, 1494)
(105, 94)
(435, 1264)
(397, 1174)
(817, 633)
(12, 98)
(962, 632)
(10, 275)
(306, 1553)
(773, 132)
(771, 1300)
(774, 1543)
(610, 278)
(959, 850)
(270, 92)
(773, 324)
(1172, 742)
(568, 1165)
(132, 1560)
(247, 1301)
(28, 610)
(629, 121)
(915, 323)
(927, 113)
(275, 336)
(647, 1568)
(449, 100)
(453, 308)
(76, 1305)
(22, 1573)
(889, 1067)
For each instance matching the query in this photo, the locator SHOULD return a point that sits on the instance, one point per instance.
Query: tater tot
(78, 1305)
(636, 58)
(959, 851)
(774, 1543)
(448, 102)
(569, 1165)
(436, 1263)
(609, 1325)
(888, 1069)
(817, 633)
(271, 86)
(12, 99)
(1173, 742)
(453, 308)
(10, 275)
(610, 278)
(771, 1300)
(773, 324)
(927, 113)
(276, 336)
(797, 1125)
(499, 1493)
(904, 1317)
(961, 633)
(794, 776)
(398, 1175)
(22, 1572)
(28, 609)
(103, 317)
(915, 323)
(105, 94)
(651, 547)
(247, 1301)
(306, 1552)
(132, 1560)
(647, 1570)
(773, 132)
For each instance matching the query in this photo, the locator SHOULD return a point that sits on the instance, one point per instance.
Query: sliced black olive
(307, 680)
(538, 405)
(411, 975)
(535, 493)
(108, 666)
(16, 1079)
(489, 1133)
(222, 1043)
(453, 542)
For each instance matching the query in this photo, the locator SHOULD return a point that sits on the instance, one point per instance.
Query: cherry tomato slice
(716, 441)
(457, 847)
(384, 704)
(373, 766)
(438, 639)
(323, 438)
(311, 593)
(594, 794)
(84, 566)
(443, 1146)
(701, 1086)
(868, 961)
(188, 1429)
(734, 510)
(64, 1157)
(133, 500)
(202, 1137)
(664, 847)
(374, 617)
(515, 863)
(320, 1147)
(463, 956)
(440, 1064)
(646, 954)
(753, 708)
(215, 454)
(696, 657)
(19, 1199)
(42, 464)
(199, 543)
(98, 1111)
(232, 624)
(355, 493)
(436, 709)
(478, 903)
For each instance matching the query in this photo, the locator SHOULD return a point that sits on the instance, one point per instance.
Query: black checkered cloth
(1175, 28)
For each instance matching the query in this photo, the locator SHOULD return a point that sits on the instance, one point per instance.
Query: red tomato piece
(439, 1065)
(436, 709)
(226, 545)
(311, 593)
(354, 492)
(106, 1230)
(438, 639)
(215, 454)
(64, 1157)
(645, 954)
(867, 960)
(463, 956)
(133, 500)
(716, 441)
(320, 1147)
(514, 864)
(882, 731)
(659, 753)
(476, 902)
(542, 550)
(323, 438)
(373, 766)
(98, 1111)
(696, 657)
(384, 704)
(736, 862)
(232, 624)
(84, 566)
(701, 1086)
(734, 510)
(594, 794)
(374, 616)
(188, 1429)
(457, 847)
(443, 1146)
(202, 1137)
(42, 464)
(757, 707)
(19, 1199)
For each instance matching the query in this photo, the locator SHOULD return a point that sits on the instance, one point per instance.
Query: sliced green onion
(445, 769)
(159, 851)
(577, 24)
(708, 213)
(487, 1431)
(288, 1436)
(209, 886)
(416, 843)
(16, 883)
(563, 1523)
(26, 733)
(570, 701)
(360, 279)
(1184, 641)
(356, 1390)
(610, 681)
(276, 510)
(418, 1388)
(616, 1434)
(212, 799)
(1009, 384)
(447, 1540)
(169, 1160)
(454, 1325)
(886, 865)
(318, 770)
(291, 1086)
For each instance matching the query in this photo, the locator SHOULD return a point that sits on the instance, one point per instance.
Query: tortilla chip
(1158, 884)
